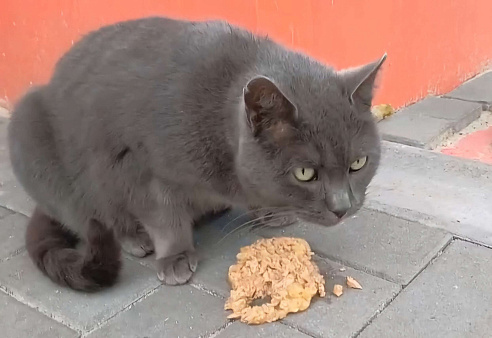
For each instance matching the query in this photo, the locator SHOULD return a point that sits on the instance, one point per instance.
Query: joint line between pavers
(358, 267)
(402, 140)
(38, 309)
(412, 216)
(218, 331)
(14, 211)
(431, 222)
(411, 219)
(208, 291)
(471, 241)
(483, 103)
(403, 287)
(138, 300)
(14, 254)
(301, 330)
(444, 247)
(9, 214)
(441, 137)
(381, 308)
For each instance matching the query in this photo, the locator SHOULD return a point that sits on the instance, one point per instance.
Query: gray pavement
(427, 123)
(420, 248)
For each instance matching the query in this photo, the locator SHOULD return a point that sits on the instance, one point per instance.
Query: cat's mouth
(323, 219)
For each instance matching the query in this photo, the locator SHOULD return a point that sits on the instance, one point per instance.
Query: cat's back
(151, 48)
(152, 80)
(141, 66)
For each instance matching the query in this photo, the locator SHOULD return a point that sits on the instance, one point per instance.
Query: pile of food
(279, 269)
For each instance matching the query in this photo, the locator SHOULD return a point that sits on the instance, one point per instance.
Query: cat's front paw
(177, 269)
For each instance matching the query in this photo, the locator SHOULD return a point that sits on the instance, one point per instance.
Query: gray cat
(147, 125)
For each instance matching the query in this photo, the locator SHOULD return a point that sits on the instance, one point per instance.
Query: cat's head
(310, 146)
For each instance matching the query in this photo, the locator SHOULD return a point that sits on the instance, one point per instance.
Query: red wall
(432, 45)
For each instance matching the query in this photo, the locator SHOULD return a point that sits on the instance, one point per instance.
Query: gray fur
(146, 122)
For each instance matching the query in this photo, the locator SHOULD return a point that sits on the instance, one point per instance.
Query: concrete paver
(414, 130)
(238, 330)
(12, 196)
(451, 298)
(345, 316)
(4, 212)
(424, 123)
(80, 311)
(171, 311)
(19, 320)
(434, 189)
(476, 89)
(12, 230)
(387, 246)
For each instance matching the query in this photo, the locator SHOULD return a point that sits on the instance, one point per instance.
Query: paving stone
(78, 310)
(414, 130)
(344, 316)
(4, 212)
(12, 196)
(384, 245)
(451, 298)
(179, 311)
(19, 320)
(448, 109)
(424, 124)
(435, 189)
(477, 89)
(12, 230)
(240, 330)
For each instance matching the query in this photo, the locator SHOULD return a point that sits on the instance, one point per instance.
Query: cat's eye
(305, 174)
(358, 164)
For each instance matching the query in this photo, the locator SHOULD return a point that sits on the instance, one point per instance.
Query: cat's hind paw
(138, 245)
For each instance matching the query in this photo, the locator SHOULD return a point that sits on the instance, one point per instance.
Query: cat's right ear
(268, 110)
(360, 82)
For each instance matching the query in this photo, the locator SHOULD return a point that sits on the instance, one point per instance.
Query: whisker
(250, 212)
(251, 223)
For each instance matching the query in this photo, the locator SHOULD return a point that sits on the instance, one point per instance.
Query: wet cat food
(279, 269)
(337, 290)
(353, 284)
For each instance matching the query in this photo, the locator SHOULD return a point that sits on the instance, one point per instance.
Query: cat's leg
(171, 230)
(131, 234)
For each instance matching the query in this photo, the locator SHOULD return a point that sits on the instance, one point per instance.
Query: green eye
(358, 164)
(305, 174)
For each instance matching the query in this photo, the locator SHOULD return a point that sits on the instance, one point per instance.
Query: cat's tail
(51, 246)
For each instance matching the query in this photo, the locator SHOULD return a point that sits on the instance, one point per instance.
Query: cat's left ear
(360, 82)
(268, 111)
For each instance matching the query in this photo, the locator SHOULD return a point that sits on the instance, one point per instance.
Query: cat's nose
(339, 197)
(341, 204)
(340, 213)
